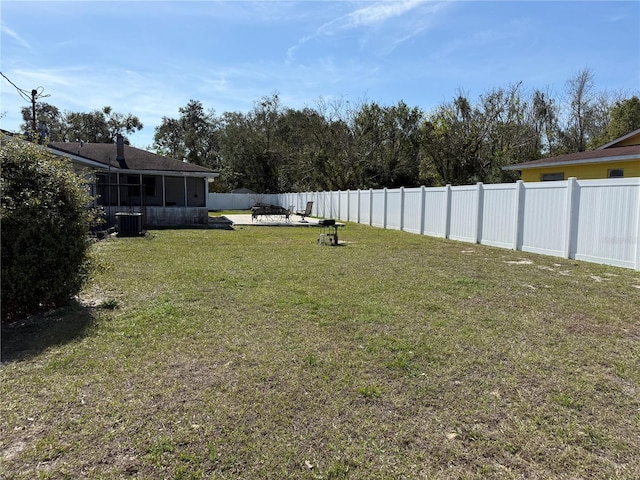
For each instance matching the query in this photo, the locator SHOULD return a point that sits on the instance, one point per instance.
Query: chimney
(120, 151)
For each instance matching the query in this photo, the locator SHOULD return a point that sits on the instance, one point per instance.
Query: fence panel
(607, 223)
(591, 220)
(435, 211)
(343, 206)
(334, 205)
(240, 201)
(365, 207)
(498, 227)
(377, 208)
(354, 206)
(318, 204)
(412, 210)
(544, 218)
(463, 213)
(393, 218)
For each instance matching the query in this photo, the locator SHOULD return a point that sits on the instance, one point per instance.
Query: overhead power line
(31, 97)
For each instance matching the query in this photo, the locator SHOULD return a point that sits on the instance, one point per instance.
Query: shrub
(44, 230)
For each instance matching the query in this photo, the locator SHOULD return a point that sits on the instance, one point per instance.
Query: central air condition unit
(129, 224)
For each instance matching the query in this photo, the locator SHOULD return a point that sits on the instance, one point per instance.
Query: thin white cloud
(63, 77)
(371, 15)
(15, 36)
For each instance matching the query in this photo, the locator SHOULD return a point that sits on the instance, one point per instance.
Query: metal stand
(329, 232)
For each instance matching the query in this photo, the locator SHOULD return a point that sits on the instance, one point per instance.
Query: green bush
(45, 226)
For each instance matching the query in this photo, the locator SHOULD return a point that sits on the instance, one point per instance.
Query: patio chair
(306, 212)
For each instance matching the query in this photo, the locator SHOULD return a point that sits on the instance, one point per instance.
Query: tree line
(340, 145)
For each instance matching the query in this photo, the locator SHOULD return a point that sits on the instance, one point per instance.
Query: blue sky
(150, 58)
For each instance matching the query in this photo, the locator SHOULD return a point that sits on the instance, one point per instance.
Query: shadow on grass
(30, 337)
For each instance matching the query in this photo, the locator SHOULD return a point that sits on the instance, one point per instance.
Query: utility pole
(34, 94)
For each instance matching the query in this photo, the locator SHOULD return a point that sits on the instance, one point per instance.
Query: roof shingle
(615, 153)
(136, 158)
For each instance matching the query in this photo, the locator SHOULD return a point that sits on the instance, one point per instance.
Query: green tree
(296, 133)
(587, 114)
(543, 115)
(45, 227)
(193, 136)
(119, 123)
(510, 134)
(387, 145)
(333, 157)
(99, 126)
(316, 151)
(49, 120)
(464, 143)
(89, 127)
(251, 151)
(625, 118)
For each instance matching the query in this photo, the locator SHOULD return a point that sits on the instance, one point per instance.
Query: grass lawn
(257, 354)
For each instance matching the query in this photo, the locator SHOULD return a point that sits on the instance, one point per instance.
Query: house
(166, 191)
(619, 158)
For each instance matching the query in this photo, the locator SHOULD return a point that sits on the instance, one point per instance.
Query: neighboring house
(619, 158)
(166, 191)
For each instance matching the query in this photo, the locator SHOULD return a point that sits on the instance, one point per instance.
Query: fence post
(370, 206)
(572, 187)
(337, 211)
(358, 218)
(517, 215)
(479, 210)
(330, 205)
(401, 209)
(384, 209)
(638, 238)
(447, 212)
(348, 205)
(423, 193)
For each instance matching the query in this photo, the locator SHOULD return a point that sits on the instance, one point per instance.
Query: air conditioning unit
(129, 224)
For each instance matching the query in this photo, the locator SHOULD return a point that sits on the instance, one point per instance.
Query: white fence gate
(591, 220)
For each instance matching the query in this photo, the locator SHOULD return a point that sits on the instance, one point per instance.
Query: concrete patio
(271, 221)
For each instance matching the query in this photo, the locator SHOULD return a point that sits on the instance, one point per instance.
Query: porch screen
(152, 189)
(174, 195)
(195, 192)
(107, 189)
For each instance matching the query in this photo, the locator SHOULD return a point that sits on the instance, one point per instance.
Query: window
(616, 173)
(552, 177)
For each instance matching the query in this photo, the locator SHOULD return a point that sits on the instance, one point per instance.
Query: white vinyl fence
(240, 201)
(591, 220)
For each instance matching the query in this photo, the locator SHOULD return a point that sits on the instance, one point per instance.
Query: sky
(150, 58)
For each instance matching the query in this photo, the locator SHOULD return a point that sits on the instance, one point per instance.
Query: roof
(610, 152)
(621, 139)
(616, 154)
(103, 155)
